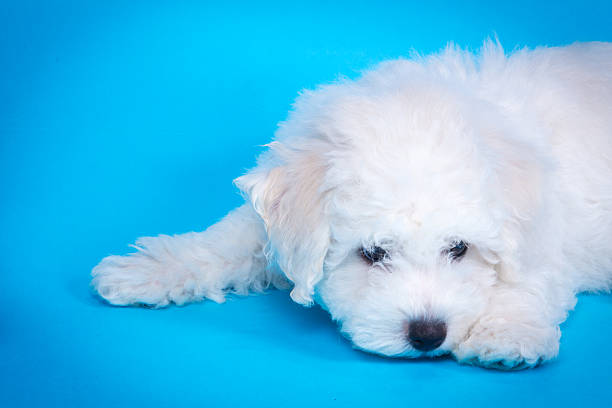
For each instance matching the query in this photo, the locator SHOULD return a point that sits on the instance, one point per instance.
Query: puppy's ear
(522, 173)
(289, 199)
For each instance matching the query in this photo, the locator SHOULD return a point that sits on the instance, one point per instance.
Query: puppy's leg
(227, 257)
(519, 330)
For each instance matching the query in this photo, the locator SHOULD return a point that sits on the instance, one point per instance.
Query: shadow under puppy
(454, 203)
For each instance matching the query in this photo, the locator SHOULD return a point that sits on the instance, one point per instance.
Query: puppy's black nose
(426, 334)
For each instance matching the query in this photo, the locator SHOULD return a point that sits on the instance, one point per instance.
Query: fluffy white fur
(510, 153)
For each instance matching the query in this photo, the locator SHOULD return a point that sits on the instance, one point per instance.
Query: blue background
(121, 119)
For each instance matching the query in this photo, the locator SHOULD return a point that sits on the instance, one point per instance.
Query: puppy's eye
(374, 254)
(457, 250)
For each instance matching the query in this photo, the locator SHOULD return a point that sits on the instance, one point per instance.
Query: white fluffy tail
(227, 257)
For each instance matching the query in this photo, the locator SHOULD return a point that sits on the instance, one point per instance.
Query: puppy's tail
(227, 257)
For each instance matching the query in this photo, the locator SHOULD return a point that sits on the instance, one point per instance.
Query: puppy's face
(401, 300)
(414, 235)
(397, 211)
(408, 280)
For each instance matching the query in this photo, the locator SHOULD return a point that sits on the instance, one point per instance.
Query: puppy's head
(398, 203)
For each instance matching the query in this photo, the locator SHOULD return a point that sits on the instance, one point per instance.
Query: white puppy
(449, 204)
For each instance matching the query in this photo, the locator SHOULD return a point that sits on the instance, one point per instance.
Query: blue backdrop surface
(122, 119)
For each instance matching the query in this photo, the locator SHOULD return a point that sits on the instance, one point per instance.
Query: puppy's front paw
(507, 345)
(140, 279)
(130, 279)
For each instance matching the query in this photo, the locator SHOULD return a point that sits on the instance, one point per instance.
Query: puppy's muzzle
(426, 334)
